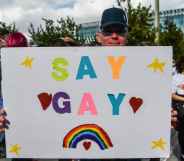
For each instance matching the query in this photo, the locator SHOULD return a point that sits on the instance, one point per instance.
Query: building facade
(89, 29)
(176, 16)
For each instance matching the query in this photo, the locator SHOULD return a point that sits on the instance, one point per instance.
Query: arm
(69, 41)
(4, 123)
(2, 42)
(177, 98)
(174, 118)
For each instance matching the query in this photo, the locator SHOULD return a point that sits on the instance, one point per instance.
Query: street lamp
(119, 2)
(157, 21)
(124, 4)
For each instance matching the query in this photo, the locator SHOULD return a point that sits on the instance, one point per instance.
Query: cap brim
(113, 24)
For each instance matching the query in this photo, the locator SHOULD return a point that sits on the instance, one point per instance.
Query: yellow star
(156, 65)
(159, 144)
(27, 62)
(15, 149)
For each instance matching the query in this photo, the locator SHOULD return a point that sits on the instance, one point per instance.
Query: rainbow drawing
(91, 132)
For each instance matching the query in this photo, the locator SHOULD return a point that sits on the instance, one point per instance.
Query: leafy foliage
(53, 33)
(141, 30)
(6, 29)
(172, 36)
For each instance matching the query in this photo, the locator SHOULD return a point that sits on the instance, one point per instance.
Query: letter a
(116, 65)
(85, 68)
(87, 104)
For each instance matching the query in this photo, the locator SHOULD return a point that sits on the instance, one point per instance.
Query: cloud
(23, 12)
(174, 4)
(88, 11)
(63, 4)
(6, 3)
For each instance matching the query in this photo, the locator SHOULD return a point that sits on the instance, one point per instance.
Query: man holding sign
(114, 32)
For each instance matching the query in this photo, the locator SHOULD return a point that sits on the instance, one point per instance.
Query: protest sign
(87, 102)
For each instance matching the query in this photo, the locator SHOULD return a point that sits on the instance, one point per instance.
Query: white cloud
(88, 11)
(23, 12)
(12, 14)
(172, 4)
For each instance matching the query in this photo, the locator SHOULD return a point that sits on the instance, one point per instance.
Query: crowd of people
(178, 100)
(113, 32)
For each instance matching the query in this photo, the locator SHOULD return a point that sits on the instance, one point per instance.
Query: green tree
(91, 41)
(172, 36)
(52, 33)
(6, 29)
(141, 30)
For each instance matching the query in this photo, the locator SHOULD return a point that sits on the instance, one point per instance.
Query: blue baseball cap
(114, 16)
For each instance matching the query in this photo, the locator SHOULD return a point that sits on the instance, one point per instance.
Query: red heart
(135, 103)
(87, 145)
(45, 100)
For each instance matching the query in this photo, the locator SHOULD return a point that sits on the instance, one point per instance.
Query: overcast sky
(22, 12)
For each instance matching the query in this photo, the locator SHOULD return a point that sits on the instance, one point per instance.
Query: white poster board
(82, 102)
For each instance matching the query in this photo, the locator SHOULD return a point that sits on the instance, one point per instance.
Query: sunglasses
(108, 31)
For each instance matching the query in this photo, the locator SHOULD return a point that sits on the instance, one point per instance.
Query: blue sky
(22, 12)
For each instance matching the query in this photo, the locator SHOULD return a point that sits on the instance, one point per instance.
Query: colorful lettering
(60, 73)
(116, 65)
(85, 68)
(66, 103)
(116, 102)
(87, 104)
